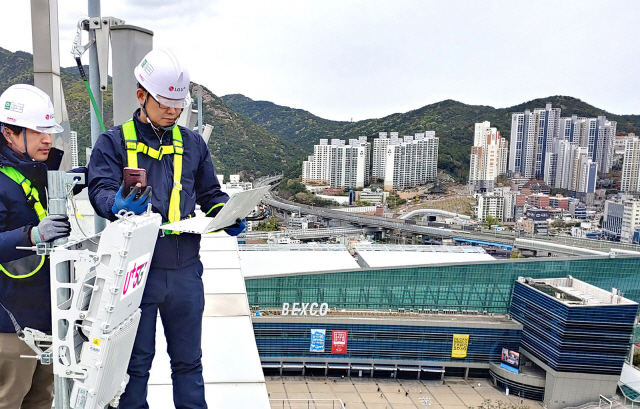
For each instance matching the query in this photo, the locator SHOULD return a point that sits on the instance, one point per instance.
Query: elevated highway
(360, 219)
(551, 244)
(303, 233)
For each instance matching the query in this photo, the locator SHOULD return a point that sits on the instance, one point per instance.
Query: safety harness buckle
(177, 185)
(31, 201)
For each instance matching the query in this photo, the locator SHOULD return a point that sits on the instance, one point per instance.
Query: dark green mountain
(294, 125)
(258, 137)
(453, 122)
(237, 144)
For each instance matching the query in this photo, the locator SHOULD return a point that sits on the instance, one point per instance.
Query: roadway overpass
(359, 219)
(551, 244)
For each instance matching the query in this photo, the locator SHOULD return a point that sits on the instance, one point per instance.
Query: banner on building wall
(460, 345)
(317, 340)
(338, 342)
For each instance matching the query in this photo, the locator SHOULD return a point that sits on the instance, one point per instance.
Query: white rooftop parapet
(549, 246)
(231, 365)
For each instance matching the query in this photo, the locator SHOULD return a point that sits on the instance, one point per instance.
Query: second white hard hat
(28, 107)
(162, 75)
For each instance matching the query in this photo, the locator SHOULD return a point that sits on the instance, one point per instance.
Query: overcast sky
(344, 59)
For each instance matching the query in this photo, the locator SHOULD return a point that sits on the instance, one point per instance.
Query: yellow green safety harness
(33, 199)
(177, 149)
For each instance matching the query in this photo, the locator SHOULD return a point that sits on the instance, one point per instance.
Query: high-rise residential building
(411, 161)
(501, 204)
(570, 167)
(489, 204)
(379, 160)
(535, 151)
(523, 130)
(73, 144)
(488, 157)
(316, 169)
(582, 171)
(572, 129)
(350, 164)
(621, 218)
(338, 164)
(612, 219)
(547, 130)
(604, 143)
(532, 134)
(630, 220)
(630, 181)
(559, 160)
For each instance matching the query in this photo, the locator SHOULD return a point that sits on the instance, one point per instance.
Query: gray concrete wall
(568, 389)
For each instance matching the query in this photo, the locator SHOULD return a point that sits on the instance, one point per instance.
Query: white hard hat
(164, 78)
(28, 107)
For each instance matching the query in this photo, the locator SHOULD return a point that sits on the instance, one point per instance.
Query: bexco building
(556, 330)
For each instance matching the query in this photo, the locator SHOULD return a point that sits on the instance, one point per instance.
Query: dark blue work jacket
(28, 299)
(199, 185)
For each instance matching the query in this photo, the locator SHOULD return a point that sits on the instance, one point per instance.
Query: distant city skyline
(344, 60)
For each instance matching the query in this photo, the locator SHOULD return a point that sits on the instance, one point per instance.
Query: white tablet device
(238, 207)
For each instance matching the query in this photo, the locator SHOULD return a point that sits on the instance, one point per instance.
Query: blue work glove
(82, 170)
(237, 228)
(132, 201)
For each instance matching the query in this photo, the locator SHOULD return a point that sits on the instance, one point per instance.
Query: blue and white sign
(317, 340)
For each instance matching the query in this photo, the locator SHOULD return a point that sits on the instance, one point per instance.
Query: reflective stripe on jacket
(29, 299)
(199, 184)
(26, 266)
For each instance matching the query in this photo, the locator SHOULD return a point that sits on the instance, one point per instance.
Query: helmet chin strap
(24, 136)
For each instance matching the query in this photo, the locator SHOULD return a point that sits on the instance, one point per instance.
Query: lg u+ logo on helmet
(176, 89)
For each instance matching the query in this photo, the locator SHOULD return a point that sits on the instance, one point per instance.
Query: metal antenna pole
(94, 83)
(57, 204)
(200, 111)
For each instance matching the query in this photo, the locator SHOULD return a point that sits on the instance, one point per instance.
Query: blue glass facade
(581, 338)
(483, 286)
(282, 340)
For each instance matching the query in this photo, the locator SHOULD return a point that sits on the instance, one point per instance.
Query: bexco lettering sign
(305, 308)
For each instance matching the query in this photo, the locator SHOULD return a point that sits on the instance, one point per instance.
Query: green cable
(93, 100)
(95, 106)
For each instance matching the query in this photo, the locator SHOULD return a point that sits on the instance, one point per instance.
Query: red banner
(338, 342)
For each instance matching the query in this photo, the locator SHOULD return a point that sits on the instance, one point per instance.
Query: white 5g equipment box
(95, 314)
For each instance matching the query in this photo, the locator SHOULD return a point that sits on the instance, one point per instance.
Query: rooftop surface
(574, 292)
(362, 393)
(401, 255)
(280, 259)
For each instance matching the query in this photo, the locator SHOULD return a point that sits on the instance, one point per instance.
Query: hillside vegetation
(259, 137)
(453, 122)
(237, 144)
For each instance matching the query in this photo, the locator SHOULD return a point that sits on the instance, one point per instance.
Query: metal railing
(306, 404)
(304, 233)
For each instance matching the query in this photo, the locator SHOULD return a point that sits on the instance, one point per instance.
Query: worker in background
(179, 175)
(27, 122)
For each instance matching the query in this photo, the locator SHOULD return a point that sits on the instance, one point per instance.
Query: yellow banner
(460, 345)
